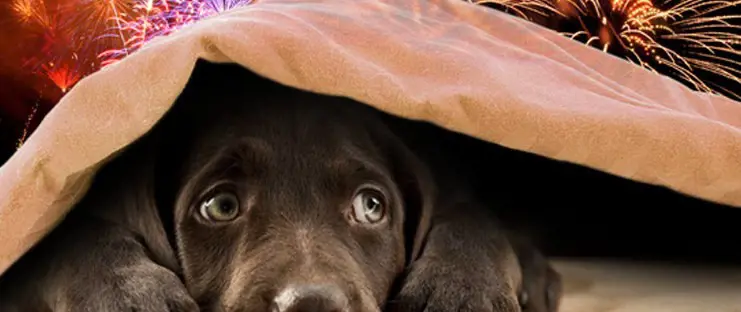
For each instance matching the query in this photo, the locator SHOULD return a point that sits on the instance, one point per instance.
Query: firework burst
(154, 18)
(63, 75)
(694, 41)
(31, 11)
(46, 33)
(95, 22)
(73, 38)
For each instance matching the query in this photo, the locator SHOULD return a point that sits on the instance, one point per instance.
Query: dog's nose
(310, 298)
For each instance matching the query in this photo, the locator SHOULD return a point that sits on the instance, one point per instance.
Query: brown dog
(265, 198)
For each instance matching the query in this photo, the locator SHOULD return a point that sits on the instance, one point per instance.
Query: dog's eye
(221, 207)
(368, 206)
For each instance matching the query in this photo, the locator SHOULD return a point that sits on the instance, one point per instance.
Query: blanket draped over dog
(464, 67)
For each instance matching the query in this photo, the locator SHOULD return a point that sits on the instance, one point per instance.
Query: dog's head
(292, 201)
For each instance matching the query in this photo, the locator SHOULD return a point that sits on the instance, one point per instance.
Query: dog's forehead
(307, 120)
(338, 133)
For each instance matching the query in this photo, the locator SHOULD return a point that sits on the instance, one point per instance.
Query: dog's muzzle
(310, 298)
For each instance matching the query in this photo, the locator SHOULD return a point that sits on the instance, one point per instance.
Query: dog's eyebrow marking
(241, 155)
(247, 149)
(257, 145)
(355, 158)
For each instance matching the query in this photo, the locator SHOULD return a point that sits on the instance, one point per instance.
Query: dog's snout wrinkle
(310, 298)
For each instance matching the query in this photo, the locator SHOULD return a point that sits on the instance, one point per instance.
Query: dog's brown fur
(295, 161)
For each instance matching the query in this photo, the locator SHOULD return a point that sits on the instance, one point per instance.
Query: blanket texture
(461, 66)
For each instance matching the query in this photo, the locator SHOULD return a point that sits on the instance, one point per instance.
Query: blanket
(461, 66)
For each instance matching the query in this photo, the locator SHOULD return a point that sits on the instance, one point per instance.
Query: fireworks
(30, 11)
(74, 38)
(154, 18)
(99, 32)
(694, 41)
(62, 75)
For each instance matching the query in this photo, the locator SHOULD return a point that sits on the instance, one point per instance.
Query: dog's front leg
(466, 264)
(88, 264)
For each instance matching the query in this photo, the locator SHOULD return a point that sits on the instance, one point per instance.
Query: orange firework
(29, 11)
(24, 9)
(630, 23)
(62, 75)
(96, 22)
(641, 18)
(694, 41)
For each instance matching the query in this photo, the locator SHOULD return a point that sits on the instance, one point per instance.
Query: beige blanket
(462, 66)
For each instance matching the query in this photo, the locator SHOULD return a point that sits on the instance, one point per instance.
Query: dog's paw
(447, 288)
(142, 288)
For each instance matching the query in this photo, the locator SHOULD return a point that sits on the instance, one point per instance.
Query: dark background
(577, 211)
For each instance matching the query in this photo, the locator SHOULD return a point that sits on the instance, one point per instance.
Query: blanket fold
(461, 66)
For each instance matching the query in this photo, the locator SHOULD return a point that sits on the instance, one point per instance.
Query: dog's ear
(418, 190)
(124, 194)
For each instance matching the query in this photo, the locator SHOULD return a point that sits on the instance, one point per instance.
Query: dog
(253, 196)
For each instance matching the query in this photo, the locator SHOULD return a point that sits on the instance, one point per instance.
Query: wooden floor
(606, 286)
